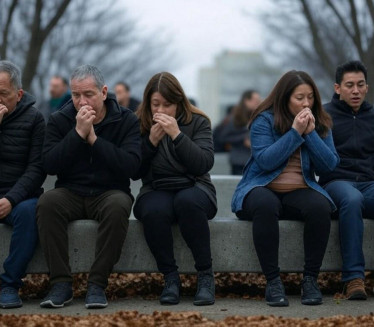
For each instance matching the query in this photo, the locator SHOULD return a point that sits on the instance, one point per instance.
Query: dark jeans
(22, 244)
(191, 209)
(58, 207)
(353, 199)
(265, 207)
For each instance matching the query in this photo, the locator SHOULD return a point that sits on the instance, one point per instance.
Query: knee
(119, 205)
(24, 214)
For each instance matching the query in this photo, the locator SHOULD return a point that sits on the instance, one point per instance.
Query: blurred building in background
(232, 73)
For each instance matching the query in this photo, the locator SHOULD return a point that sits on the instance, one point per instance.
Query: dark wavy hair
(279, 98)
(169, 87)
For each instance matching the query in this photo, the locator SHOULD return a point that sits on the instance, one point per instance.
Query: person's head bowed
(295, 91)
(164, 94)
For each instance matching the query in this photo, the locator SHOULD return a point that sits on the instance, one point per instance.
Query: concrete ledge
(231, 240)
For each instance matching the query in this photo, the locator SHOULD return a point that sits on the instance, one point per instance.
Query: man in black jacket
(93, 145)
(21, 176)
(351, 184)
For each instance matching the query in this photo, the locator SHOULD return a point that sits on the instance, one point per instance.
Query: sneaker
(205, 288)
(275, 295)
(95, 298)
(9, 298)
(310, 293)
(170, 293)
(59, 295)
(355, 289)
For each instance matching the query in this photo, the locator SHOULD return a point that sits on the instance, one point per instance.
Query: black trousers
(265, 207)
(191, 209)
(56, 208)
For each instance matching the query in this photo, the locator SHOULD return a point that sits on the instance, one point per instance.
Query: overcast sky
(201, 29)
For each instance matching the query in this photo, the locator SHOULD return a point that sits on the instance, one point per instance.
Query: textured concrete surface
(223, 308)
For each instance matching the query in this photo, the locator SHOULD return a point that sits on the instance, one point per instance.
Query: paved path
(224, 307)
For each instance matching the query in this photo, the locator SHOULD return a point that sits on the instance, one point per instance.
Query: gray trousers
(56, 208)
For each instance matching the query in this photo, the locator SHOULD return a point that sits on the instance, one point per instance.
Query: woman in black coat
(177, 152)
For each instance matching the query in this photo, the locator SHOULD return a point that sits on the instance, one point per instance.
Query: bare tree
(319, 35)
(55, 36)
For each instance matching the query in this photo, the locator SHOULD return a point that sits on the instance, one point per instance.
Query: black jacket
(353, 134)
(193, 149)
(91, 170)
(21, 141)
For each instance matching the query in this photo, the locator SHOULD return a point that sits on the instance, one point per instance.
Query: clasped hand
(304, 122)
(3, 110)
(164, 124)
(85, 117)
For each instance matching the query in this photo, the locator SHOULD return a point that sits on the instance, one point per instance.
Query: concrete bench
(231, 240)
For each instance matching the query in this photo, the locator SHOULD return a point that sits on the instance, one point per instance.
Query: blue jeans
(354, 201)
(22, 244)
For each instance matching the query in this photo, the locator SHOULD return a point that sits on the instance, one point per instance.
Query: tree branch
(4, 46)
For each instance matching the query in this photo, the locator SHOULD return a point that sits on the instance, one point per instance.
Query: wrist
(175, 135)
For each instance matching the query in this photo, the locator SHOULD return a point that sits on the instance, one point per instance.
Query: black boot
(205, 288)
(170, 293)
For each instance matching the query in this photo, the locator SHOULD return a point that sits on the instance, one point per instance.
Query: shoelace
(310, 284)
(276, 289)
(204, 281)
(57, 289)
(356, 283)
(94, 290)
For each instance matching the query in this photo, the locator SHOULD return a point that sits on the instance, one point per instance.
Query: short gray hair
(13, 71)
(85, 71)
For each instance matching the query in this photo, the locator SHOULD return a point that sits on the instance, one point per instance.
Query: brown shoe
(355, 289)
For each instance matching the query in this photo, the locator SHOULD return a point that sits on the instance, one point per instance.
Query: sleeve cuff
(178, 138)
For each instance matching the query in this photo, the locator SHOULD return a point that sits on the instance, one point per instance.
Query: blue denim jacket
(270, 154)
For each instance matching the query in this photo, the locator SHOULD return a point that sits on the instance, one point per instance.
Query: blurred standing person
(219, 145)
(123, 95)
(21, 139)
(177, 154)
(236, 133)
(291, 141)
(59, 95)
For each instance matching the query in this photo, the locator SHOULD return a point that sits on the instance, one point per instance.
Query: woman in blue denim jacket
(291, 142)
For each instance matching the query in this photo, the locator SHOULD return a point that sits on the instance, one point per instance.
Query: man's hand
(91, 138)
(3, 110)
(156, 134)
(85, 118)
(5, 208)
(168, 124)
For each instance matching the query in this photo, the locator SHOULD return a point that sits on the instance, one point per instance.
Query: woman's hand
(156, 134)
(311, 124)
(168, 124)
(301, 120)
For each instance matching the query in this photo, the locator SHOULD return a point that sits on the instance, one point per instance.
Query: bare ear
(104, 92)
(19, 95)
(337, 88)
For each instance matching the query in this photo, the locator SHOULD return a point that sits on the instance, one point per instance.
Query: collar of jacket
(26, 102)
(341, 104)
(113, 110)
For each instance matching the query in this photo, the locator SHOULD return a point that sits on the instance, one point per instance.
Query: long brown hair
(279, 98)
(169, 87)
(242, 114)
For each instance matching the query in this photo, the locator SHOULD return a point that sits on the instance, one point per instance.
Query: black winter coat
(91, 170)
(21, 142)
(353, 134)
(193, 149)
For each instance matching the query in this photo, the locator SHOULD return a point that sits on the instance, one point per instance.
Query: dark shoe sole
(358, 296)
(169, 302)
(50, 305)
(312, 301)
(11, 305)
(96, 305)
(200, 303)
(278, 304)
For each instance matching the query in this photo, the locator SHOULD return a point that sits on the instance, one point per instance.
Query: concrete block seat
(231, 240)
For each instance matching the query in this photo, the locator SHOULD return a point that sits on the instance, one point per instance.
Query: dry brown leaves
(175, 319)
(149, 285)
